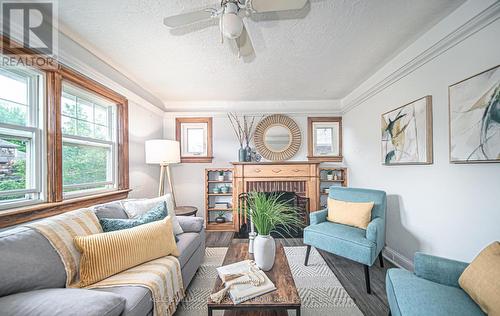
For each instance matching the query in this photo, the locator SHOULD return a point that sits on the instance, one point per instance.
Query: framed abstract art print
(474, 109)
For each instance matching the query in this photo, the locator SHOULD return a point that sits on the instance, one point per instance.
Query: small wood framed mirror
(277, 137)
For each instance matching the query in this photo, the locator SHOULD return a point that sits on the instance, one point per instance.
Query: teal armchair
(431, 290)
(363, 246)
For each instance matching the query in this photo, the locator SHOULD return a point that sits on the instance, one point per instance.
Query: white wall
(189, 177)
(144, 124)
(445, 209)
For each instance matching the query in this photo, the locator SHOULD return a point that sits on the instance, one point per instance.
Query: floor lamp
(163, 152)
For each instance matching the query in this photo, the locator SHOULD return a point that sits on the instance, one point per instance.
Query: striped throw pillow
(103, 255)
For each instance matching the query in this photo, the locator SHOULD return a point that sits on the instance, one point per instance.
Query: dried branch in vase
(249, 130)
(244, 128)
(238, 130)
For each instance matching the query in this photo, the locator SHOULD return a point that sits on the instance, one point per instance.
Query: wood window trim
(121, 102)
(54, 203)
(310, 139)
(208, 120)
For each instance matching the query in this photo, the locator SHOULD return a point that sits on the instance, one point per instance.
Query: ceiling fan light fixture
(232, 25)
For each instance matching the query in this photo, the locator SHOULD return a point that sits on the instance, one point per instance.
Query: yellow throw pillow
(103, 255)
(481, 279)
(349, 213)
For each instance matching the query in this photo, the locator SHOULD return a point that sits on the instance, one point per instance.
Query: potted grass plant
(267, 212)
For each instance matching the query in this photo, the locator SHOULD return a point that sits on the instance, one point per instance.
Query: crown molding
(472, 26)
(327, 107)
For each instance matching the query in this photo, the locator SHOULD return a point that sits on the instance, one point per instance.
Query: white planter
(220, 178)
(329, 177)
(264, 252)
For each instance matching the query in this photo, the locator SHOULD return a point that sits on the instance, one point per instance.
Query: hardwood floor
(349, 273)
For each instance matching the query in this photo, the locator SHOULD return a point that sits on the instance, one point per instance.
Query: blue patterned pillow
(155, 214)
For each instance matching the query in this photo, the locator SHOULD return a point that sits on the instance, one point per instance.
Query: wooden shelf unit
(211, 198)
(340, 180)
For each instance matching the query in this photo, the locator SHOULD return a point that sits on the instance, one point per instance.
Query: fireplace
(297, 180)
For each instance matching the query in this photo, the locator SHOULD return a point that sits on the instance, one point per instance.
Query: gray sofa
(32, 276)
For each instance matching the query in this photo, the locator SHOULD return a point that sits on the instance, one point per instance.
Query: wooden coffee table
(277, 302)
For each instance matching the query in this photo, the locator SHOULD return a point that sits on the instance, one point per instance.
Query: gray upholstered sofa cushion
(110, 210)
(187, 244)
(190, 224)
(62, 302)
(28, 262)
(138, 299)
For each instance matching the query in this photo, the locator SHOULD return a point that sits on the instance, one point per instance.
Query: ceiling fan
(230, 14)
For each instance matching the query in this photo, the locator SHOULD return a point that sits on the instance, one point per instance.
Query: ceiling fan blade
(242, 46)
(260, 6)
(245, 44)
(188, 18)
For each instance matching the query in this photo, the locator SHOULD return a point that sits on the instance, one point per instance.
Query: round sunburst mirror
(277, 137)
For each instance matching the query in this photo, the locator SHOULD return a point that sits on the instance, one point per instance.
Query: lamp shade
(163, 151)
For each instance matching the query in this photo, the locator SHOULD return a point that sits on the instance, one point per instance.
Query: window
(89, 144)
(324, 138)
(63, 141)
(21, 137)
(195, 136)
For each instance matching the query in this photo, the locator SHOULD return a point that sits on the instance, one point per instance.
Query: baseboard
(397, 259)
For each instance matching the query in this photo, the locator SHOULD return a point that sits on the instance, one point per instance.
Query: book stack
(241, 290)
(222, 205)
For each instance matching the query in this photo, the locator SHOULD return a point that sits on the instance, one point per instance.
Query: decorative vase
(264, 251)
(248, 153)
(224, 189)
(242, 155)
(216, 190)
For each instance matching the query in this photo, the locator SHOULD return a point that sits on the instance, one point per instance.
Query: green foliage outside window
(12, 114)
(84, 164)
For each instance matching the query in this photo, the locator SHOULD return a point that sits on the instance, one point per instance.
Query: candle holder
(251, 235)
(251, 238)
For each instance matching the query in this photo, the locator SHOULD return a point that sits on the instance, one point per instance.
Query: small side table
(186, 210)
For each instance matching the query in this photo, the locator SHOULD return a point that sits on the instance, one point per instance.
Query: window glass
(89, 144)
(85, 164)
(12, 165)
(21, 143)
(14, 96)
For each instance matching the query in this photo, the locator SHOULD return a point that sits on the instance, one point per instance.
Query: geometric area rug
(319, 289)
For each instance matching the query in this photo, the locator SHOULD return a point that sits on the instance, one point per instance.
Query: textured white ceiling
(320, 53)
